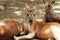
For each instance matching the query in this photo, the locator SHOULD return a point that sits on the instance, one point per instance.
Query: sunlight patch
(2, 23)
(18, 12)
(56, 32)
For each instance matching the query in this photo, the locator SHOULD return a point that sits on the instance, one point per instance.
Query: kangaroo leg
(28, 36)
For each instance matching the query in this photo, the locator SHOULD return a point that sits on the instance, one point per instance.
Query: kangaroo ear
(35, 8)
(49, 6)
(52, 2)
(27, 6)
(44, 1)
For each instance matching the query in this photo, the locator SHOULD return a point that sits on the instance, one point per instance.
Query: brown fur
(10, 29)
(43, 29)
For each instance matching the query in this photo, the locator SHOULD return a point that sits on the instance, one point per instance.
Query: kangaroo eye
(34, 14)
(27, 14)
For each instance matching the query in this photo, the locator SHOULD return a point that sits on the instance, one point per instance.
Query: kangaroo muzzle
(30, 21)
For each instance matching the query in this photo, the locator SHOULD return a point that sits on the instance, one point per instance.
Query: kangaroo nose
(30, 21)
